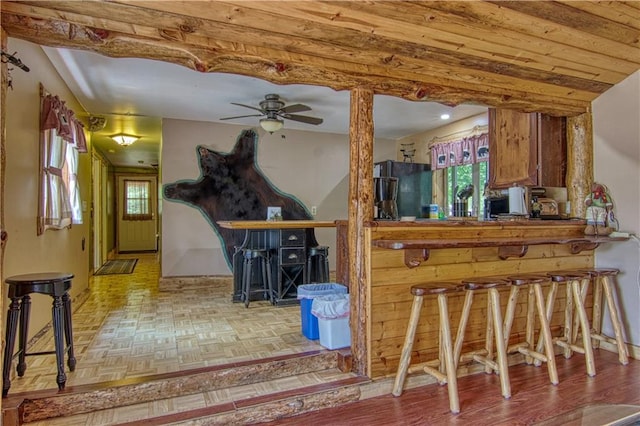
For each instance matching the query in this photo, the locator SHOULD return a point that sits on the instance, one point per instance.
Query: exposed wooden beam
(360, 211)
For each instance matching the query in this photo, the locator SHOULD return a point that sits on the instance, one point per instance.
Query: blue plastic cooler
(306, 294)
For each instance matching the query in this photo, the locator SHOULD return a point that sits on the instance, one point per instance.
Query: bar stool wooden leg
(497, 362)
(503, 363)
(568, 320)
(596, 317)
(623, 355)
(550, 302)
(584, 326)
(405, 357)
(545, 334)
(446, 352)
(535, 305)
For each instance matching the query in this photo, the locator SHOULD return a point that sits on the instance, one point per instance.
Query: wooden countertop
(417, 251)
(279, 224)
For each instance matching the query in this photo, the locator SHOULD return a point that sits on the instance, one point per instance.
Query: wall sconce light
(124, 140)
(271, 124)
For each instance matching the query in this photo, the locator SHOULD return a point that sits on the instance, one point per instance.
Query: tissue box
(334, 333)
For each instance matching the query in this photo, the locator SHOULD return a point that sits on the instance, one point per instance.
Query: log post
(579, 161)
(360, 211)
(3, 130)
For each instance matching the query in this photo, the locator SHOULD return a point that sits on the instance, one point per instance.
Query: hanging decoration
(468, 149)
(55, 115)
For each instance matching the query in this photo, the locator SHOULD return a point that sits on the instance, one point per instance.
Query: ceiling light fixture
(445, 116)
(124, 140)
(271, 124)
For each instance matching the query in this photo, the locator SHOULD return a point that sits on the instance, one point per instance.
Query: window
(461, 176)
(464, 161)
(62, 138)
(137, 201)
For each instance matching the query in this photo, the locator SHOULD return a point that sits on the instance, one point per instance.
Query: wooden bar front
(554, 245)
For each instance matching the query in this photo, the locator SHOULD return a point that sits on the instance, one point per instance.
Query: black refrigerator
(414, 185)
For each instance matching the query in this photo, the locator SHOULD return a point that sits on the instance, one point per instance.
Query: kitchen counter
(402, 254)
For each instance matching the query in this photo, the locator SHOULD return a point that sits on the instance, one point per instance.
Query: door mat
(120, 266)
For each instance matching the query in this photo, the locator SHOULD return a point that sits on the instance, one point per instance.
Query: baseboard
(181, 283)
(634, 351)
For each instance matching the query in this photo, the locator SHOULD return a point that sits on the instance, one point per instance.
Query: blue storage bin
(306, 294)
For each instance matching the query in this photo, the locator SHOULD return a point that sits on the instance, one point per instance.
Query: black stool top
(318, 250)
(51, 283)
(254, 253)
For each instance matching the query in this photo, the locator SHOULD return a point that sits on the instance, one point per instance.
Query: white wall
(312, 166)
(616, 132)
(54, 250)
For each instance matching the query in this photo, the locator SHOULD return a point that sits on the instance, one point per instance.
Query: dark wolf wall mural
(231, 186)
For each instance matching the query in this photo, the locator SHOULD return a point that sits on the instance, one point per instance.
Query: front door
(137, 218)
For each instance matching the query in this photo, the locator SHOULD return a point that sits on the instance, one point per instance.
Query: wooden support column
(3, 160)
(579, 161)
(360, 210)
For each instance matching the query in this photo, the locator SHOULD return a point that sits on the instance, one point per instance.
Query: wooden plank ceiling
(546, 56)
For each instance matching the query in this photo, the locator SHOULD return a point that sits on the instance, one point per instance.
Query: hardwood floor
(534, 399)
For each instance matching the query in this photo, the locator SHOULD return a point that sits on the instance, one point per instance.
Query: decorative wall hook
(11, 58)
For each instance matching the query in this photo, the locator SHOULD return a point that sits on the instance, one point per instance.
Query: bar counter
(288, 242)
(401, 254)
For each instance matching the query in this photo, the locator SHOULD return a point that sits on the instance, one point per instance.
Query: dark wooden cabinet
(527, 149)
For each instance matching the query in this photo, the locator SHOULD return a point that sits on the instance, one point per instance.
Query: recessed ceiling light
(445, 117)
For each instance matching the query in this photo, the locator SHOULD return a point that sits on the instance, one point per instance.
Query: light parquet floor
(127, 328)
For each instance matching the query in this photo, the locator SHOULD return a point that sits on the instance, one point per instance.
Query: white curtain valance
(468, 150)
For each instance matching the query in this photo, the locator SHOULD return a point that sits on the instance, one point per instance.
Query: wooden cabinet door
(552, 150)
(513, 152)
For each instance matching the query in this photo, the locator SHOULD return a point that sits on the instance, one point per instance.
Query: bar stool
(318, 264)
(604, 279)
(574, 283)
(447, 363)
(56, 285)
(264, 262)
(535, 304)
(494, 330)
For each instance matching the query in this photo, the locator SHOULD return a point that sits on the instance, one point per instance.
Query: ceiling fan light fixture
(124, 140)
(271, 124)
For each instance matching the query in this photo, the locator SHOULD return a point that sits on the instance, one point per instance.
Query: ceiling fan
(274, 110)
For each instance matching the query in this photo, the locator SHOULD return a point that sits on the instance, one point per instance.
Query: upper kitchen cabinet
(526, 149)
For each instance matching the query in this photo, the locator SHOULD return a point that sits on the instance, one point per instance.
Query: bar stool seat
(604, 280)
(263, 257)
(447, 363)
(56, 285)
(318, 264)
(575, 282)
(494, 330)
(535, 304)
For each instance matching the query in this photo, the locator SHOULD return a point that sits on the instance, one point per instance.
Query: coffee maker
(386, 193)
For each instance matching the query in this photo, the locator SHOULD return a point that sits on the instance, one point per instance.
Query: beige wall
(25, 251)
(616, 139)
(312, 166)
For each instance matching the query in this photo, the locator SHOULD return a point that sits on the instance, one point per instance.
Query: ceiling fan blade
(247, 106)
(303, 118)
(242, 116)
(295, 108)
